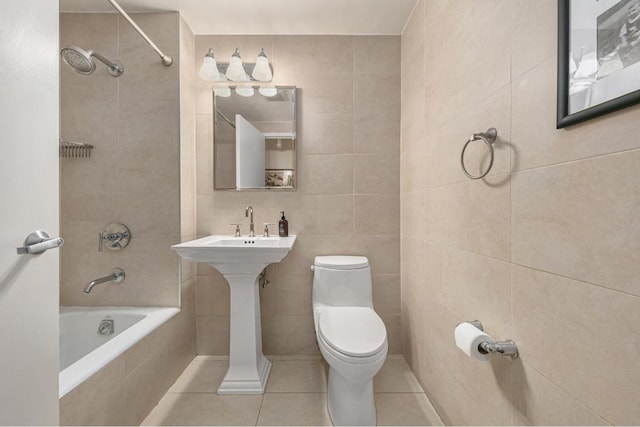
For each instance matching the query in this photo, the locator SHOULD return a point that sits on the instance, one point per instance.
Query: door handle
(39, 241)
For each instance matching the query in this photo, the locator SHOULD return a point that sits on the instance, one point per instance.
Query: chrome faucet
(248, 210)
(117, 276)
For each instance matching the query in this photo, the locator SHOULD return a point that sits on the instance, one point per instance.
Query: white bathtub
(83, 351)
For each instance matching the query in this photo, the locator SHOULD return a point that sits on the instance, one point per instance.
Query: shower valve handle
(116, 236)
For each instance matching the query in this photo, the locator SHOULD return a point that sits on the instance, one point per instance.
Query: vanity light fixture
(209, 70)
(236, 70)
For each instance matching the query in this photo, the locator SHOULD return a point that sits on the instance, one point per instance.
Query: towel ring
(488, 137)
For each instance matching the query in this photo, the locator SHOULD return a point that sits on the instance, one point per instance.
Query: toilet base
(350, 403)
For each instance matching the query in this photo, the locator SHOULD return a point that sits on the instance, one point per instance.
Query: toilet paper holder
(502, 348)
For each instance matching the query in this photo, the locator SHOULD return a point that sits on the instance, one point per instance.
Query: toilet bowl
(351, 336)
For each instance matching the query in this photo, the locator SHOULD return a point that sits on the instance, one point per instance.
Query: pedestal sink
(240, 260)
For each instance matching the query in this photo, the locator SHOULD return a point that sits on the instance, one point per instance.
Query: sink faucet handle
(266, 228)
(237, 229)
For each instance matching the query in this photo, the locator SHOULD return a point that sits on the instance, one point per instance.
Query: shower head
(78, 59)
(82, 61)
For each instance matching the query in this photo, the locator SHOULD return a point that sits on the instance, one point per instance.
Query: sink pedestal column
(240, 260)
(248, 368)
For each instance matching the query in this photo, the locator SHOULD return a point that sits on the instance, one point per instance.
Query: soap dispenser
(283, 226)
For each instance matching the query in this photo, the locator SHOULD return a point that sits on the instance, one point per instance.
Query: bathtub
(83, 351)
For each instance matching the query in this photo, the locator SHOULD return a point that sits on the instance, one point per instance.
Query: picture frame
(279, 178)
(598, 58)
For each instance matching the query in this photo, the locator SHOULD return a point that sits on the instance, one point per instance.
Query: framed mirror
(254, 138)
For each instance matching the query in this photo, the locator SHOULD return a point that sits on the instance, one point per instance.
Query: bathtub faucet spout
(117, 276)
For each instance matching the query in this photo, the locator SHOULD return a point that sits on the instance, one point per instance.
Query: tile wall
(187, 166)
(347, 201)
(133, 175)
(141, 173)
(544, 250)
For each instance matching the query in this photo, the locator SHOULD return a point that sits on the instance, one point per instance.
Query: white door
(28, 202)
(249, 155)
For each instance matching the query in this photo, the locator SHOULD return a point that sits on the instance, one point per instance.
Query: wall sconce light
(236, 70)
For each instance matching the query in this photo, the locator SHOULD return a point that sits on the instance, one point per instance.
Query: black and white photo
(598, 58)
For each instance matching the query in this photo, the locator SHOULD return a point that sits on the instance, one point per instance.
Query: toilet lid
(341, 262)
(354, 331)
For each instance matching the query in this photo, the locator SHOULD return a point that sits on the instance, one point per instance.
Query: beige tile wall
(544, 250)
(347, 201)
(133, 176)
(141, 173)
(187, 145)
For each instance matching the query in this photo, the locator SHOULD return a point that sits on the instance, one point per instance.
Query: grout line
(399, 392)
(514, 263)
(191, 392)
(583, 159)
(413, 11)
(594, 412)
(553, 56)
(576, 280)
(260, 409)
(511, 165)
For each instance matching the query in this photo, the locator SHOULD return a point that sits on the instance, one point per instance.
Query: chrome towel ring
(488, 138)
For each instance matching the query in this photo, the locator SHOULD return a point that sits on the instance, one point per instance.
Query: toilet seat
(329, 352)
(354, 332)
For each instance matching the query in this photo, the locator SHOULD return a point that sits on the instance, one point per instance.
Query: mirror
(254, 138)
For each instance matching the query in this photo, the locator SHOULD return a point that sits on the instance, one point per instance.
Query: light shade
(209, 70)
(245, 90)
(262, 71)
(236, 71)
(222, 91)
(268, 91)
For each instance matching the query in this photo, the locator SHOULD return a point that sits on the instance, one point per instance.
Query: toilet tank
(342, 281)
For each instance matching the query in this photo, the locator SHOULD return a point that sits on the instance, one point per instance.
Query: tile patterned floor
(296, 394)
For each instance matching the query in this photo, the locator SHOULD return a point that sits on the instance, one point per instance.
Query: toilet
(351, 336)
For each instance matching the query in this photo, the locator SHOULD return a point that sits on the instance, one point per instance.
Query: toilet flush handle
(313, 268)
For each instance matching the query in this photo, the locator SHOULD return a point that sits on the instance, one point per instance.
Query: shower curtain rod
(166, 59)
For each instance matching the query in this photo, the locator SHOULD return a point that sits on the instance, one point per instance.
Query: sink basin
(240, 260)
(236, 255)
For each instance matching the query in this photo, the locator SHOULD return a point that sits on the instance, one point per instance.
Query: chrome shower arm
(166, 59)
(112, 65)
